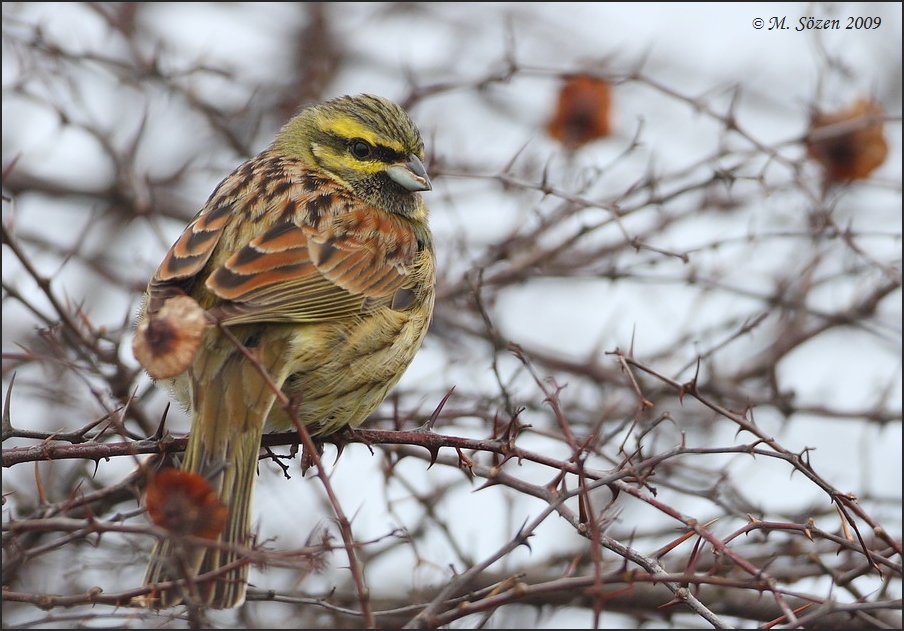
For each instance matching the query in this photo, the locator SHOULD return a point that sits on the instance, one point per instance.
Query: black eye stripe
(378, 152)
(389, 155)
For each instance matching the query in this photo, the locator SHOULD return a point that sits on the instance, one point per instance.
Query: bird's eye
(360, 149)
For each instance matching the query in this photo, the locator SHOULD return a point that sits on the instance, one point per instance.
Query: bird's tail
(231, 401)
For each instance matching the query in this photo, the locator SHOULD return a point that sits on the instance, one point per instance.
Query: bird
(313, 267)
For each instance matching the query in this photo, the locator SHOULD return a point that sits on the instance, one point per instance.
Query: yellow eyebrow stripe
(351, 128)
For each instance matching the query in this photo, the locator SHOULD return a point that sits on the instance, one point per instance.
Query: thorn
(465, 463)
(160, 431)
(434, 454)
(428, 427)
(7, 422)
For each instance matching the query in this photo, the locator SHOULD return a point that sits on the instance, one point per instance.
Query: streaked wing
(302, 273)
(188, 255)
(325, 255)
(274, 279)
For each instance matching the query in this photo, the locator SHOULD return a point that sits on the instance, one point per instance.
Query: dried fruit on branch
(582, 114)
(848, 144)
(185, 503)
(166, 343)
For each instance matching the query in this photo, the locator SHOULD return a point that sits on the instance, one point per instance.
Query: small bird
(317, 257)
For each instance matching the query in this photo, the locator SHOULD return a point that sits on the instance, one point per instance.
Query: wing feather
(317, 254)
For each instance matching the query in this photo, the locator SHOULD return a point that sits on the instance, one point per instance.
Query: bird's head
(366, 143)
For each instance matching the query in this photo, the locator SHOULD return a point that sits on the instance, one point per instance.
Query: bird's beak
(410, 175)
